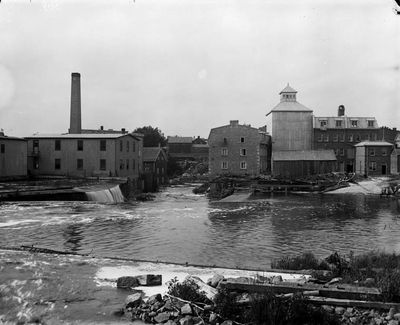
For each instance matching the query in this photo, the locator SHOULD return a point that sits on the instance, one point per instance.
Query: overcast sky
(187, 66)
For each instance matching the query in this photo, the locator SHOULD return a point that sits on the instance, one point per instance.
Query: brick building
(85, 155)
(373, 158)
(13, 157)
(341, 133)
(239, 149)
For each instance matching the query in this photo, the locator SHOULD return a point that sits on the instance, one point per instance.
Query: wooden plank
(338, 291)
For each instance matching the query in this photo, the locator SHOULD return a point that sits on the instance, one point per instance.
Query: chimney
(123, 130)
(234, 122)
(75, 125)
(340, 110)
(101, 127)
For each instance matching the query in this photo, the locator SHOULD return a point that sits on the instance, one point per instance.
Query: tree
(152, 136)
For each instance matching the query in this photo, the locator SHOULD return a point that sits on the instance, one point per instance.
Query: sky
(187, 66)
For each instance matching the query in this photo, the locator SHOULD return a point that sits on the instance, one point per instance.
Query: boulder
(227, 322)
(213, 318)
(339, 310)
(186, 310)
(162, 317)
(154, 298)
(170, 322)
(215, 280)
(209, 291)
(150, 279)
(276, 279)
(134, 300)
(198, 321)
(127, 282)
(187, 320)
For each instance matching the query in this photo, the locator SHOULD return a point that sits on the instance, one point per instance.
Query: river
(180, 227)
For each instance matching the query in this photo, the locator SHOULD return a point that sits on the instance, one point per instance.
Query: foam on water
(110, 195)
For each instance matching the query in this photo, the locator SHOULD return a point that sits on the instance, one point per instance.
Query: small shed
(302, 163)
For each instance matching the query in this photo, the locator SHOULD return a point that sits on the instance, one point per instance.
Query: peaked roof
(288, 89)
(303, 155)
(82, 136)
(151, 153)
(180, 139)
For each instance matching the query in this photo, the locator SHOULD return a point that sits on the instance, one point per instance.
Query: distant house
(373, 158)
(302, 163)
(85, 155)
(239, 149)
(184, 149)
(13, 157)
(395, 157)
(154, 168)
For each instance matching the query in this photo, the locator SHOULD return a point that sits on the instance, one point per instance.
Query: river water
(180, 227)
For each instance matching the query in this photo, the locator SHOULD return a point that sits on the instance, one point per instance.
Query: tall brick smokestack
(75, 125)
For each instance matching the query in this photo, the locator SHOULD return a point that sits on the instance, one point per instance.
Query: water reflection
(73, 235)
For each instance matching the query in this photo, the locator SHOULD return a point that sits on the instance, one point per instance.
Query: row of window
(103, 164)
(371, 152)
(339, 123)
(350, 137)
(224, 152)
(242, 140)
(242, 164)
(372, 165)
(79, 145)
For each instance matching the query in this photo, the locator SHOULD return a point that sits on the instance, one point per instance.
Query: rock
(162, 317)
(396, 316)
(187, 320)
(215, 280)
(152, 314)
(208, 307)
(126, 282)
(186, 310)
(170, 322)
(209, 291)
(393, 322)
(134, 300)
(154, 298)
(276, 279)
(339, 310)
(213, 318)
(354, 320)
(328, 309)
(378, 321)
(198, 321)
(150, 279)
(227, 322)
(369, 282)
(335, 280)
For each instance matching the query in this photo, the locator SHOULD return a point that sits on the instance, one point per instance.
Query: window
(3, 148)
(224, 151)
(224, 165)
(120, 145)
(35, 143)
(57, 145)
(102, 164)
(338, 123)
(350, 138)
(127, 164)
(243, 152)
(243, 165)
(341, 151)
(384, 152)
(326, 138)
(374, 137)
(133, 164)
(335, 138)
(134, 146)
(371, 151)
(79, 164)
(127, 146)
(336, 152)
(103, 145)
(372, 165)
(354, 123)
(57, 163)
(341, 138)
(121, 164)
(80, 145)
(370, 123)
(242, 139)
(323, 123)
(320, 137)
(358, 138)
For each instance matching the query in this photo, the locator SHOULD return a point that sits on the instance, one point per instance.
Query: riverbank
(371, 185)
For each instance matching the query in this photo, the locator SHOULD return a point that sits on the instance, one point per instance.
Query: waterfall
(107, 195)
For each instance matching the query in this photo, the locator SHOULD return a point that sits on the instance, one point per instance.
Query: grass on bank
(378, 269)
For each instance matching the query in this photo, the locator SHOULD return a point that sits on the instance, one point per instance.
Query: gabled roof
(373, 143)
(303, 155)
(180, 139)
(288, 89)
(151, 153)
(5, 137)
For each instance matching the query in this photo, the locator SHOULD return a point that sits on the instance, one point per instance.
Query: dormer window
(323, 123)
(370, 123)
(354, 123)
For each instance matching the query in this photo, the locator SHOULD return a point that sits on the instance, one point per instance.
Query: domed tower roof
(289, 102)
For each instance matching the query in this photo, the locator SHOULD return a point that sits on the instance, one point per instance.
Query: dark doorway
(383, 169)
